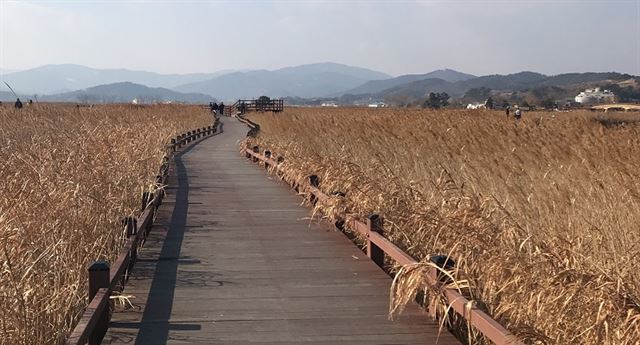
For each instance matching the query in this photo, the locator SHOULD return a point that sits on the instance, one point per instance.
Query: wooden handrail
(94, 321)
(90, 318)
(477, 318)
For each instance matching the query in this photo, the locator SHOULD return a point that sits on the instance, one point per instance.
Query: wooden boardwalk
(234, 259)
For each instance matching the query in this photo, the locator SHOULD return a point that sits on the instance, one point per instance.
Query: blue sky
(396, 37)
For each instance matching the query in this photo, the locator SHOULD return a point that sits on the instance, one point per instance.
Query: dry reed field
(69, 176)
(541, 216)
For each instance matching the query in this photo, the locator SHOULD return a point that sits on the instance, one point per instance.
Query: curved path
(234, 259)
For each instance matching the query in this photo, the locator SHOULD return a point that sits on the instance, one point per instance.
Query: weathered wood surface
(234, 259)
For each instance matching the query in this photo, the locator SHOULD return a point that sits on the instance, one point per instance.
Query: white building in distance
(476, 106)
(595, 96)
(377, 105)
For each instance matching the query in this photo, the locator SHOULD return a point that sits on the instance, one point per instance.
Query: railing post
(256, 149)
(446, 264)
(132, 231)
(267, 154)
(188, 136)
(173, 145)
(99, 278)
(145, 200)
(314, 181)
(131, 227)
(374, 224)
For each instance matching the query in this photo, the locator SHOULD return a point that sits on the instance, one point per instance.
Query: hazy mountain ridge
(347, 84)
(51, 79)
(7, 96)
(312, 80)
(532, 87)
(126, 92)
(536, 84)
(375, 86)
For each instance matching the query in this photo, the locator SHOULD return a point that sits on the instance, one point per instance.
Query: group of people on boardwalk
(216, 108)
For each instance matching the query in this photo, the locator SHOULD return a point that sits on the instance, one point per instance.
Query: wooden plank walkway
(234, 259)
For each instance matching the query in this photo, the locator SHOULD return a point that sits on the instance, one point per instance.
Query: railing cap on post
(98, 277)
(374, 218)
(99, 266)
(443, 261)
(314, 180)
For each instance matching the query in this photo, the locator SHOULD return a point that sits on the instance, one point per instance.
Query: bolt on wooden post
(99, 273)
(374, 224)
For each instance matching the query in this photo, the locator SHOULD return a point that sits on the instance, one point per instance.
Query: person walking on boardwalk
(518, 114)
(508, 110)
(18, 104)
(221, 108)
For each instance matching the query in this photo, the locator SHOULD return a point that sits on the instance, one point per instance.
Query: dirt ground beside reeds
(69, 176)
(541, 215)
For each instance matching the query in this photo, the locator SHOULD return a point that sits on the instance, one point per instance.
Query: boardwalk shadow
(155, 326)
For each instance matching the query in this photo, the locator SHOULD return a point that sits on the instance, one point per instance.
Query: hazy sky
(396, 37)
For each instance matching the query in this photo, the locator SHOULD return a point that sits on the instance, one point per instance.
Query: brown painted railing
(104, 279)
(377, 245)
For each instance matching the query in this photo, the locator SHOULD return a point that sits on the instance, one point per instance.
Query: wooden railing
(372, 229)
(104, 279)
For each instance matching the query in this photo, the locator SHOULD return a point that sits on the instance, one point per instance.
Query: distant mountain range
(375, 86)
(314, 80)
(302, 84)
(50, 79)
(310, 80)
(126, 92)
(7, 96)
(6, 71)
(517, 87)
